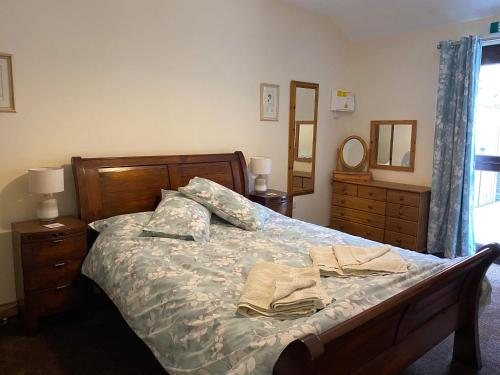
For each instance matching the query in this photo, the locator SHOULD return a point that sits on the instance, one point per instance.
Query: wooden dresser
(387, 212)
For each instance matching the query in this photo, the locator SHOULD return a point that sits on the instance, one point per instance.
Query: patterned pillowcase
(179, 217)
(128, 225)
(226, 203)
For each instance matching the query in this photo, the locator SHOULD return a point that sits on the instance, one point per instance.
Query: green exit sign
(494, 27)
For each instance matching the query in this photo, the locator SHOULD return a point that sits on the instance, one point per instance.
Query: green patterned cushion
(226, 204)
(179, 217)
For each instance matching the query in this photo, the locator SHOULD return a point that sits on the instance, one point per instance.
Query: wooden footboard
(390, 336)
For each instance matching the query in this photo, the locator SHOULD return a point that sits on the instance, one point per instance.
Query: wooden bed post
(466, 347)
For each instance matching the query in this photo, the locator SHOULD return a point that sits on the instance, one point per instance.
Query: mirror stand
(352, 158)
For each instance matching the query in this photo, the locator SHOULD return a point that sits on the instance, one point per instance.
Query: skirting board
(8, 310)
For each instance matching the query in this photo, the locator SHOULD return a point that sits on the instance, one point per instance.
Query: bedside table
(47, 263)
(279, 201)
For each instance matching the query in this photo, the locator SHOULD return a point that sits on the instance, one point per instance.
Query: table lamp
(260, 166)
(46, 181)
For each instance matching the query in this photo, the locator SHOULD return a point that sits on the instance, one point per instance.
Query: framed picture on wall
(269, 102)
(6, 84)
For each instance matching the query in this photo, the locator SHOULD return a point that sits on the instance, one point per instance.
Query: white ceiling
(369, 19)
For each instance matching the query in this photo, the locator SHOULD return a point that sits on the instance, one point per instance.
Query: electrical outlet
(294, 204)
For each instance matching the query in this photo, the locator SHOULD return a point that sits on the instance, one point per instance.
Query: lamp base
(260, 184)
(47, 209)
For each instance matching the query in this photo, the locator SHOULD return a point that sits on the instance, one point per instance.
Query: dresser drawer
(401, 240)
(367, 205)
(401, 226)
(402, 212)
(345, 189)
(54, 251)
(365, 231)
(369, 192)
(358, 216)
(45, 277)
(54, 300)
(403, 197)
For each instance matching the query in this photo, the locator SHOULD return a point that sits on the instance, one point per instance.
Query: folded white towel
(282, 292)
(343, 260)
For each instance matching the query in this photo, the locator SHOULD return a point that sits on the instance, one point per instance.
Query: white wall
(115, 77)
(396, 79)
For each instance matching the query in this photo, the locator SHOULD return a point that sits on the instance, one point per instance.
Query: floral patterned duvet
(180, 297)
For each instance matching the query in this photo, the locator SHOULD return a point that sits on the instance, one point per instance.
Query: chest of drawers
(393, 213)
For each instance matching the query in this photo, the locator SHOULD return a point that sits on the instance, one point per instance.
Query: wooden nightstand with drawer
(47, 264)
(276, 200)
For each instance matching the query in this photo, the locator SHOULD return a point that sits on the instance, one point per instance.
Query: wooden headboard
(107, 187)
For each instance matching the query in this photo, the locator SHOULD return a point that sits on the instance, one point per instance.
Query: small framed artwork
(269, 102)
(6, 84)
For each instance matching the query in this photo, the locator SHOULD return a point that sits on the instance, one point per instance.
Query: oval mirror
(353, 153)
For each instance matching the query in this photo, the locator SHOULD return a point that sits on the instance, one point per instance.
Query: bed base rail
(390, 336)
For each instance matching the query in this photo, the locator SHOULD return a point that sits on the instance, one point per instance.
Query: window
(487, 181)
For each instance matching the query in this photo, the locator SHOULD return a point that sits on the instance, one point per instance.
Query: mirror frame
(297, 134)
(292, 134)
(362, 163)
(374, 131)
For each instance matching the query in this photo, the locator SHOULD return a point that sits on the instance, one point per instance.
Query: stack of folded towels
(282, 292)
(343, 260)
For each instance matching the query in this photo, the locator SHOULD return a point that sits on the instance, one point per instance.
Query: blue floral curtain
(451, 228)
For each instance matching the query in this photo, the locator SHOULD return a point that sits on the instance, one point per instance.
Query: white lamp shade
(46, 180)
(260, 165)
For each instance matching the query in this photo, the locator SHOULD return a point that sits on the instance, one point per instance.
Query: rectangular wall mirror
(302, 137)
(392, 144)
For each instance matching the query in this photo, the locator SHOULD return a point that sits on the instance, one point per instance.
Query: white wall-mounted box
(342, 101)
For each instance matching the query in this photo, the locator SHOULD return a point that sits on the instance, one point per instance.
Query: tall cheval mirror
(392, 145)
(302, 137)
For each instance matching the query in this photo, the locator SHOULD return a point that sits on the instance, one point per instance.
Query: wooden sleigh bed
(381, 340)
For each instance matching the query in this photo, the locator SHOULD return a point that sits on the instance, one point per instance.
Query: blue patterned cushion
(179, 217)
(226, 203)
(128, 225)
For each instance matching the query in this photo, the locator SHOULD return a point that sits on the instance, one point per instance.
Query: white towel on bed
(343, 260)
(282, 292)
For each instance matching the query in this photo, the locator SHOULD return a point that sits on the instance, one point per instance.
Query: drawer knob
(342, 201)
(401, 199)
(57, 241)
(344, 191)
(399, 227)
(368, 233)
(370, 207)
(370, 194)
(59, 265)
(368, 220)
